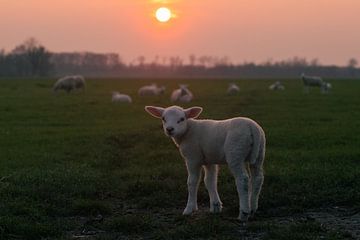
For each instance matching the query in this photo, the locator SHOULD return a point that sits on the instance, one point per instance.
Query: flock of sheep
(204, 144)
(182, 94)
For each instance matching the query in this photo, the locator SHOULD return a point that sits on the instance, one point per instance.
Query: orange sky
(252, 30)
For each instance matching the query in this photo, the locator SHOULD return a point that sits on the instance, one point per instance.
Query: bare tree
(192, 60)
(352, 63)
(32, 55)
(141, 60)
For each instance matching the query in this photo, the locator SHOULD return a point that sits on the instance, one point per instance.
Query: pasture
(76, 166)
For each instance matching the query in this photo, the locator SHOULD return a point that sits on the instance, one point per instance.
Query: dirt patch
(335, 219)
(338, 218)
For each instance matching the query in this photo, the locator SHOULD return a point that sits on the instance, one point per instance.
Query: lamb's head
(174, 118)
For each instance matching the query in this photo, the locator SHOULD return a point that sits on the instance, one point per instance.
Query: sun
(163, 14)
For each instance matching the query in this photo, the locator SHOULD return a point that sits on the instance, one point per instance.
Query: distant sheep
(233, 88)
(151, 90)
(183, 94)
(277, 86)
(313, 81)
(120, 98)
(69, 83)
(238, 142)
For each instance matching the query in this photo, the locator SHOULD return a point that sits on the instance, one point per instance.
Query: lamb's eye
(163, 119)
(181, 120)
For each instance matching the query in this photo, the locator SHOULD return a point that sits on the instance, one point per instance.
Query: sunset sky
(244, 30)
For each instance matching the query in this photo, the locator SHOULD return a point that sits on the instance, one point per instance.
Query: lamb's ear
(193, 112)
(155, 111)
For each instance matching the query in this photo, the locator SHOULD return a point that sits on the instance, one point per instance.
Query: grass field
(79, 167)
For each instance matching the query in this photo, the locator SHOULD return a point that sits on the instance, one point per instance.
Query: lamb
(233, 88)
(238, 142)
(151, 90)
(120, 98)
(183, 94)
(277, 86)
(69, 83)
(312, 81)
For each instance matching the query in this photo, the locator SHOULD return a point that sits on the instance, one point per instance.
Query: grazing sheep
(151, 90)
(120, 98)
(183, 94)
(277, 86)
(69, 83)
(312, 81)
(233, 88)
(238, 142)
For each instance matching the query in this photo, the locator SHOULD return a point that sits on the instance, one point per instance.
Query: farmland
(78, 166)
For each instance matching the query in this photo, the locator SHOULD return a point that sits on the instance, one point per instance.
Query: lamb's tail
(258, 147)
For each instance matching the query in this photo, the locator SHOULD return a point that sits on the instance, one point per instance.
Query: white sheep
(120, 98)
(313, 81)
(183, 94)
(233, 88)
(69, 83)
(277, 86)
(151, 90)
(238, 142)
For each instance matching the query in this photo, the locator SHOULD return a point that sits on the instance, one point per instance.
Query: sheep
(233, 88)
(312, 81)
(69, 83)
(277, 86)
(120, 98)
(183, 94)
(151, 90)
(238, 142)
(326, 88)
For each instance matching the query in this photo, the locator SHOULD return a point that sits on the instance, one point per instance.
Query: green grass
(67, 159)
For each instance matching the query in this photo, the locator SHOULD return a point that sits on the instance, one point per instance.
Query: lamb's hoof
(243, 217)
(189, 210)
(216, 208)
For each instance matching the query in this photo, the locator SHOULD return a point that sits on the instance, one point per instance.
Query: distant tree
(141, 60)
(31, 58)
(155, 62)
(113, 61)
(315, 62)
(222, 61)
(175, 62)
(352, 63)
(205, 61)
(192, 60)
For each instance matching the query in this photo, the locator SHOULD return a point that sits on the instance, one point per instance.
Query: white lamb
(233, 88)
(238, 142)
(151, 90)
(69, 83)
(120, 98)
(183, 94)
(277, 86)
(312, 81)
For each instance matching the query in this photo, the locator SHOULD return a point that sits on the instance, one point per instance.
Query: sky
(243, 30)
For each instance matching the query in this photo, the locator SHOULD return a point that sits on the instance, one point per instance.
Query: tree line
(32, 59)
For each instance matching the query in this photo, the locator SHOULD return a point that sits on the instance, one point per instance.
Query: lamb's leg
(257, 179)
(306, 89)
(194, 173)
(210, 180)
(322, 89)
(241, 175)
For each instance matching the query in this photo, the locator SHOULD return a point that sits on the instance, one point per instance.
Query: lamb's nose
(169, 129)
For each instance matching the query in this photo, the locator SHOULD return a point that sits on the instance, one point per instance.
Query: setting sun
(163, 14)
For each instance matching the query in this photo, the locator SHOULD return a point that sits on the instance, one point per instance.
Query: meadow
(76, 166)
